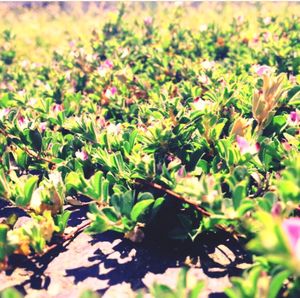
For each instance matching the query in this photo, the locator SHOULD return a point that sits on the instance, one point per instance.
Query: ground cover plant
(165, 130)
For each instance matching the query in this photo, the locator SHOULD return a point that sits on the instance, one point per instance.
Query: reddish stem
(174, 195)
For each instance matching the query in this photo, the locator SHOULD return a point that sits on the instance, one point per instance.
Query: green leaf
(156, 206)
(61, 220)
(252, 278)
(11, 219)
(294, 96)
(181, 281)
(105, 190)
(4, 186)
(141, 209)
(162, 291)
(36, 139)
(110, 214)
(29, 187)
(3, 240)
(230, 157)
(123, 203)
(57, 160)
(245, 207)
(195, 292)
(10, 293)
(91, 132)
(89, 294)
(132, 138)
(277, 282)
(74, 180)
(240, 173)
(145, 196)
(96, 184)
(203, 164)
(239, 193)
(99, 225)
(6, 160)
(21, 158)
(217, 130)
(5, 101)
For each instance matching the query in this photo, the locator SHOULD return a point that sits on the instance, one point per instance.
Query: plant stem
(28, 151)
(173, 195)
(64, 239)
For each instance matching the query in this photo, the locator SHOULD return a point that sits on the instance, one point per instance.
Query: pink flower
(10, 87)
(108, 63)
(286, 146)
(291, 227)
(240, 20)
(82, 155)
(110, 92)
(142, 127)
(4, 112)
(246, 147)
(181, 172)
(21, 92)
(276, 209)
(101, 122)
(148, 21)
(105, 67)
(72, 44)
(267, 20)
(255, 38)
(68, 75)
(43, 126)
(23, 122)
(266, 36)
(262, 69)
(58, 108)
(293, 79)
(276, 37)
(294, 118)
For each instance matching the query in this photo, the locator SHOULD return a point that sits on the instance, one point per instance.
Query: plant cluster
(166, 133)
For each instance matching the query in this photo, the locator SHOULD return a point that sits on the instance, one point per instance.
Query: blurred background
(47, 26)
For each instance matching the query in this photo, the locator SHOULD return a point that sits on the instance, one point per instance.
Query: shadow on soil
(129, 262)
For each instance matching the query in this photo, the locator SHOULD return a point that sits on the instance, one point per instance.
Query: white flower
(32, 101)
(82, 155)
(203, 27)
(114, 129)
(4, 113)
(267, 20)
(208, 65)
(201, 104)
(55, 178)
(110, 92)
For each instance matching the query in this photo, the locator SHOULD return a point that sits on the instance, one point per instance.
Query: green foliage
(10, 293)
(184, 287)
(161, 128)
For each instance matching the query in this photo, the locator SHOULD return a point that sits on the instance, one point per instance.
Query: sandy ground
(115, 267)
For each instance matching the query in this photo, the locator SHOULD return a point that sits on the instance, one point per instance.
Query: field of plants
(169, 125)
